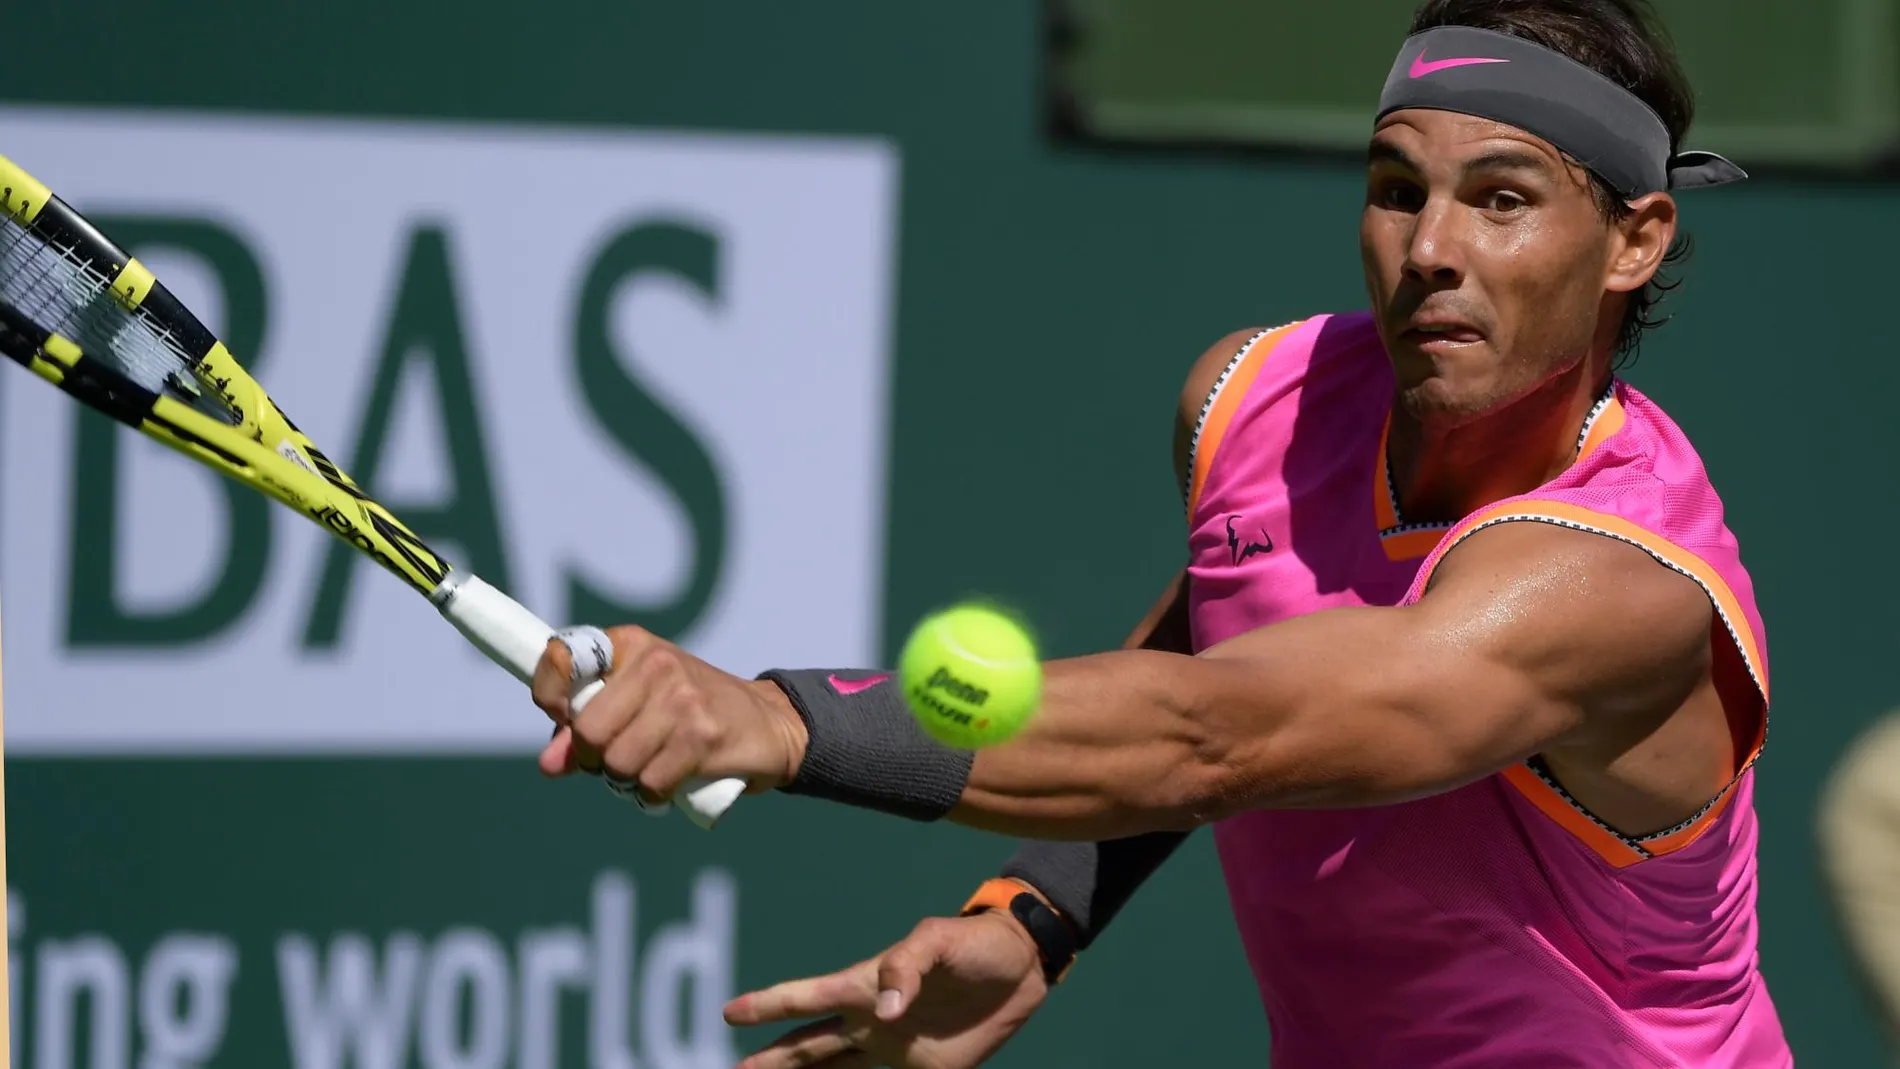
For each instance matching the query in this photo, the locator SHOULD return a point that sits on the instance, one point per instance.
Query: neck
(1444, 471)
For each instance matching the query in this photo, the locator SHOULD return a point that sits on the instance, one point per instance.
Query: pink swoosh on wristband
(854, 686)
(1420, 67)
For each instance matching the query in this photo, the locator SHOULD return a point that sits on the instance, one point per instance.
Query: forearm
(1111, 753)
(1119, 748)
(865, 749)
(1091, 684)
(1164, 631)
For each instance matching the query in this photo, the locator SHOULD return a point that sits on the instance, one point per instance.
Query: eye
(1399, 196)
(1504, 202)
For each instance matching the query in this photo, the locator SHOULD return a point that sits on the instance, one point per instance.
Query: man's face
(1486, 260)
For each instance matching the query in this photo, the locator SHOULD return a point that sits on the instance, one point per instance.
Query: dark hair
(1623, 41)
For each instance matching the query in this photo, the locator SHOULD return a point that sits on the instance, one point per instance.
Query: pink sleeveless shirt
(1499, 924)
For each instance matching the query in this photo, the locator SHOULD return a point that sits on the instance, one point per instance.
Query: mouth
(1442, 334)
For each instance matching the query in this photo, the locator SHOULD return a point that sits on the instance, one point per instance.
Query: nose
(1433, 253)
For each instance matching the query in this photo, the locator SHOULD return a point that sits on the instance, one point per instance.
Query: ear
(1641, 241)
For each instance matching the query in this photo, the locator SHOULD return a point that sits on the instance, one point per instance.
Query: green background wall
(1056, 295)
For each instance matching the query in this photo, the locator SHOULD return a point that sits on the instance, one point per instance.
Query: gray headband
(1510, 80)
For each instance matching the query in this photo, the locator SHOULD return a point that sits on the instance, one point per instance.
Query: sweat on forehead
(1589, 118)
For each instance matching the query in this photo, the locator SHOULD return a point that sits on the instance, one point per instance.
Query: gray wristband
(865, 748)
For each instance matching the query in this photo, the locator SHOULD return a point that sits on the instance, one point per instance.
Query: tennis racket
(82, 314)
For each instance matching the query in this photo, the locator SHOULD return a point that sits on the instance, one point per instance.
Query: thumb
(557, 757)
(900, 972)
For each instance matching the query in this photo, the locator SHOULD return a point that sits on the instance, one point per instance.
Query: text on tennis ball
(957, 689)
(942, 680)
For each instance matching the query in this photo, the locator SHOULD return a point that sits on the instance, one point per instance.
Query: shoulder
(1228, 367)
(1209, 374)
(1316, 338)
(1215, 364)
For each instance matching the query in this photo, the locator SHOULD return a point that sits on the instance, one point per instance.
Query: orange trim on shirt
(1382, 510)
(1608, 422)
(1232, 392)
(1412, 544)
(1406, 545)
(1690, 832)
(1607, 844)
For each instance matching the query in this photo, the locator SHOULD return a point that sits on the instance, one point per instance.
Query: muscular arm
(1531, 635)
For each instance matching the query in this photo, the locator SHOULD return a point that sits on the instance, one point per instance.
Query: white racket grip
(514, 638)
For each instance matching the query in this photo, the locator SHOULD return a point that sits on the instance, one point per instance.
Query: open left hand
(664, 716)
(947, 996)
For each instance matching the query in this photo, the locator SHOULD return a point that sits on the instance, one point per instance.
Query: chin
(1443, 401)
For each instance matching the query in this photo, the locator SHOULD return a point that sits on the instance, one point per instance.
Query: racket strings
(62, 292)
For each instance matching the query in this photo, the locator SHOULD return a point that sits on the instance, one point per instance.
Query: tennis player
(1463, 669)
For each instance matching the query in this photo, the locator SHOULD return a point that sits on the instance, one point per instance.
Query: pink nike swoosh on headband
(854, 686)
(1420, 67)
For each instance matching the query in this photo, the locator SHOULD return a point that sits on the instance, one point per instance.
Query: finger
(664, 742)
(632, 753)
(848, 989)
(581, 757)
(640, 662)
(850, 1059)
(678, 753)
(553, 680)
(901, 969)
(667, 771)
(632, 644)
(806, 1045)
(628, 753)
(613, 707)
(558, 757)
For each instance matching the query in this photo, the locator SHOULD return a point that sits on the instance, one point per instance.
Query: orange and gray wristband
(1055, 940)
(1089, 883)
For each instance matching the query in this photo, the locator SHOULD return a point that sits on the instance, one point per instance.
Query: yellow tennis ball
(971, 675)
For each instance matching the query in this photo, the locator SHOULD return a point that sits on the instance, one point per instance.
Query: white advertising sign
(638, 376)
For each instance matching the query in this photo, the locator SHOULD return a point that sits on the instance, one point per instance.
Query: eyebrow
(1508, 160)
(1495, 160)
(1386, 151)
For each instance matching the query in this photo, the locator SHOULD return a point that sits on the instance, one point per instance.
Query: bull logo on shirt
(1241, 546)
